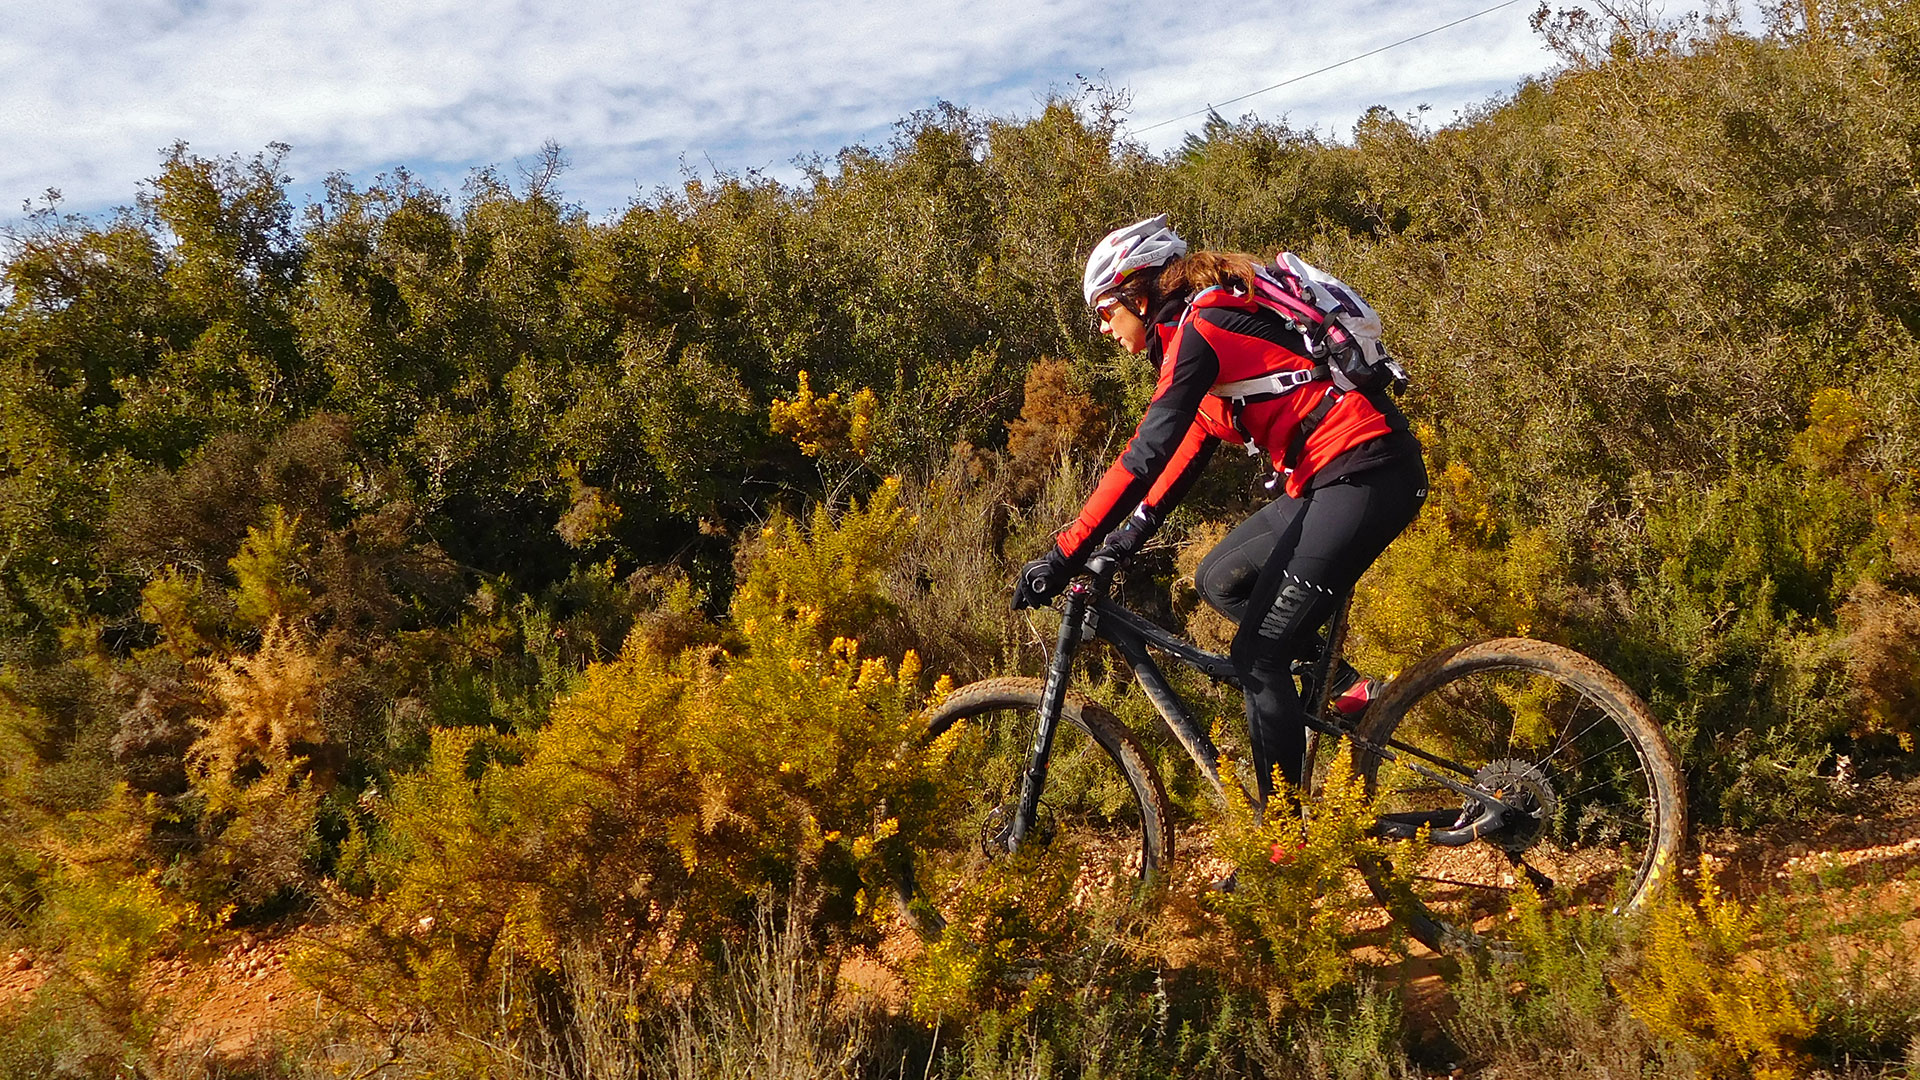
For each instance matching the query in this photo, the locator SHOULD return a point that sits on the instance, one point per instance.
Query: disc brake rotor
(998, 822)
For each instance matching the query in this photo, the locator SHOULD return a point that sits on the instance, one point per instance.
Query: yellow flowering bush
(1453, 576)
(1297, 887)
(660, 799)
(1007, 932)
(1704, 983)
(826, 426)
(828, 574)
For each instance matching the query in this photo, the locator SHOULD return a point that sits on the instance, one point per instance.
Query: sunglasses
(1104, 309)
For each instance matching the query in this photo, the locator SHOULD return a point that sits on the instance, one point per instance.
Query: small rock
(19, 962)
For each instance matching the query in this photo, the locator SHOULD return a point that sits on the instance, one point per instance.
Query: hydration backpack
(1342, 332)
(1341, 328)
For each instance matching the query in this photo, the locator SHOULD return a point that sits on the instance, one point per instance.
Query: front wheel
(1552, 734)
(1104, 817)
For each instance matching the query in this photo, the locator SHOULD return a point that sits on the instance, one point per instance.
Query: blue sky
(636, 91)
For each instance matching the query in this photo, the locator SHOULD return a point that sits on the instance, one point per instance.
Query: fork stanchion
(1052, 698)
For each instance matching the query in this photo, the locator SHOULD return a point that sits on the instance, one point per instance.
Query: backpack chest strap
(1269, 387)
(1274, 384)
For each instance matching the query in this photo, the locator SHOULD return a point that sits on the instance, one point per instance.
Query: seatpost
(1072, 630)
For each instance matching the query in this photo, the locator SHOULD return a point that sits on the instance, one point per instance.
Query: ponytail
(1204, 269)
(1190, 273)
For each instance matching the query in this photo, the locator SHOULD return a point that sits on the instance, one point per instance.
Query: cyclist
(1354, 478)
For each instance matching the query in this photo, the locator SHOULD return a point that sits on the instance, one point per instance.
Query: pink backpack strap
(1274, 295)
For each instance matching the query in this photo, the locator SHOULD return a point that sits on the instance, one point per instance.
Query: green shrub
(104, 915)
(1847, 961)
(1554, 1010)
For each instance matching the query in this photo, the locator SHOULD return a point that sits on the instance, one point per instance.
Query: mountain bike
(1508, 760)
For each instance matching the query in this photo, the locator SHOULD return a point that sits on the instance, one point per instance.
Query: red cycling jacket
(1218, 337)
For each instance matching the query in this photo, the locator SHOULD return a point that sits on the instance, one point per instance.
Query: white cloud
(96, 87)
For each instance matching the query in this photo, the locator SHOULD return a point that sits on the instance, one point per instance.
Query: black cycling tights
(1279, 574)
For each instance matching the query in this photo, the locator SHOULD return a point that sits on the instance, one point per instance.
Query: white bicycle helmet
(1144, 243)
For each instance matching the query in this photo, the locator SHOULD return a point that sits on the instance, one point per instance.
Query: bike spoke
(1561, 746)
(1572, 796)
(1575, 739)
(1643, 826)
(1099, 830)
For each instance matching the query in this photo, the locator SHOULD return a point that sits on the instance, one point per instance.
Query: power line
(1329, 67)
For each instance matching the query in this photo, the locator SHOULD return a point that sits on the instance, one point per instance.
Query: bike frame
(1090, 613)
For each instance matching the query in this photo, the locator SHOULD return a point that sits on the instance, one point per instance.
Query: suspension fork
(1073, 629)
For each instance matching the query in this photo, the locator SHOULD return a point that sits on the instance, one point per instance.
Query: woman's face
(1119, 322)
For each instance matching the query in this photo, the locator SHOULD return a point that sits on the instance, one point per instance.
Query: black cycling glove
(1041, 580)
(1126, 540)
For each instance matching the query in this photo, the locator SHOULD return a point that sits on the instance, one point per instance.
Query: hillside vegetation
(525, 602)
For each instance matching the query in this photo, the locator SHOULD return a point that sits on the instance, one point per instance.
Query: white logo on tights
(1285, 606)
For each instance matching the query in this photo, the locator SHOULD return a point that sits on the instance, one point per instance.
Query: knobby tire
(1562, 734)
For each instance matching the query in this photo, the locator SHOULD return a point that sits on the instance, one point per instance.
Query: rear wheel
(1551, 733)
(1104, 817)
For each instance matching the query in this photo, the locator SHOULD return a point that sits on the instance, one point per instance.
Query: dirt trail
(1882, 842)
(234, 1001)
(226, 1005)
(231, 1006)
